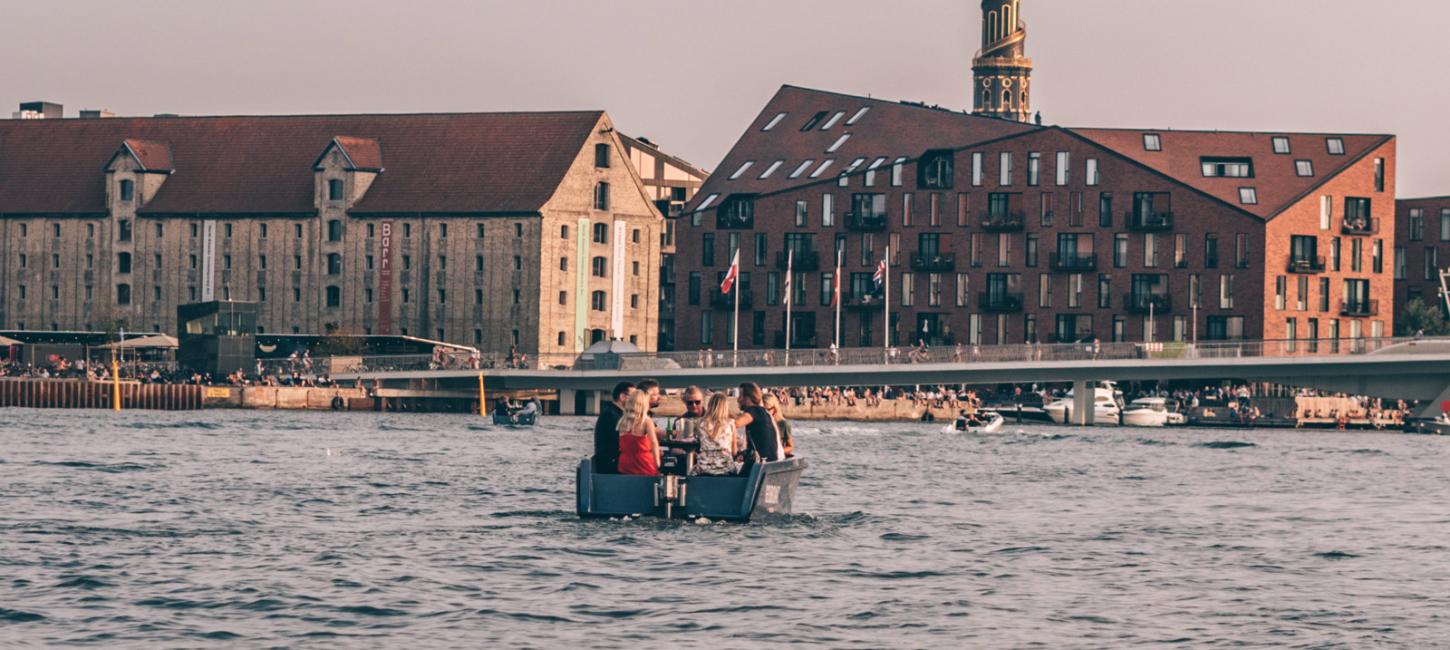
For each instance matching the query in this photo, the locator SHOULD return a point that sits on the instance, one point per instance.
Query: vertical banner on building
(616, 289)
(385, 279)
(208, 261)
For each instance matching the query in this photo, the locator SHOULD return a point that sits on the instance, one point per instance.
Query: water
(279, 529)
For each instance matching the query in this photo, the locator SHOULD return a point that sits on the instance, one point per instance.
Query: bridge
(1395, 369)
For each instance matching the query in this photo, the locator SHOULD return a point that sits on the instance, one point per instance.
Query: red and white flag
(880, 276)
(732, 275)
(789, 276)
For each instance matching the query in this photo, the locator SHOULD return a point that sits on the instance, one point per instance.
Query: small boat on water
(993, 424)
(516, 420)
(1105, 406)
(765, 489)
(1153, 412)
(1437, 427)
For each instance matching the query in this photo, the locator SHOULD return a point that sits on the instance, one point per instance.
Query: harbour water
(361, 530)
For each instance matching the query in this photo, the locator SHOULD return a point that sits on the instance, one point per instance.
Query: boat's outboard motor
(670, 492)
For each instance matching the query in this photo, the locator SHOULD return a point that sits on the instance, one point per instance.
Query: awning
(157, 342)
(6, 342)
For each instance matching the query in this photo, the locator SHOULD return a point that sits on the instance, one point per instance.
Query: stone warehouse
(511, 230)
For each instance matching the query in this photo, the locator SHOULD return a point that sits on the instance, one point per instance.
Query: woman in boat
(761, 435)
(777, 415)
(716, 432)
(639, 444)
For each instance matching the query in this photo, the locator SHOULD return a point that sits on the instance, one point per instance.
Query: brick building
(1002, 232)
(1422, 248)
(493, 230)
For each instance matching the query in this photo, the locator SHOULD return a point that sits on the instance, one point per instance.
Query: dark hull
(515, 421)
(768, 489)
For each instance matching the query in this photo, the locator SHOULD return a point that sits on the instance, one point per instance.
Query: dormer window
(1227, 167)
(936, 170)
(128, 191)
(334, 190)
(736, 213)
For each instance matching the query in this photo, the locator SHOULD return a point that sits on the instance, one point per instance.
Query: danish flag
(732, 275)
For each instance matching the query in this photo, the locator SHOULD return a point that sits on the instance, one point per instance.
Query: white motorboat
(992, 424)
(1153, 412)
(1105, 406)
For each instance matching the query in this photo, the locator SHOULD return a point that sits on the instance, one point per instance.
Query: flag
(789, 276)
(732, 275)
(880, 277)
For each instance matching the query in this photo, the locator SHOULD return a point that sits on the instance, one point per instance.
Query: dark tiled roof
(366, 154)
(886, 129)
(1275, 179)
(153, 156)
(444, 163)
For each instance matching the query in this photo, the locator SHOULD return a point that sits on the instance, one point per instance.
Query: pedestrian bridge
(1408, 369)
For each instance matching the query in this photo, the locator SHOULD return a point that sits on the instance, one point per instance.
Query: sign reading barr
(385, 279)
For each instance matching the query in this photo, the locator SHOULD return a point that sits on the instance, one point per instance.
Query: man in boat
(683, 428)
(606, 430)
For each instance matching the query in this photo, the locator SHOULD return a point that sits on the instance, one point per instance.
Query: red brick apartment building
(1422, 248)
(1004, 232)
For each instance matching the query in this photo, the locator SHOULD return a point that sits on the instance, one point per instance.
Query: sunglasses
(693, 402)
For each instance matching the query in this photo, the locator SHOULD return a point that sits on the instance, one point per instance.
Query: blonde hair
(771, 404)
(718, 411)
(636, 411)
(750, 394)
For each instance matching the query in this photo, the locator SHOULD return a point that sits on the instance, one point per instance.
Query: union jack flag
(880, 277)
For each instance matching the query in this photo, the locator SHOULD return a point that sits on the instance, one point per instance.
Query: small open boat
(993, 424)
(766, 489)
(515, 420)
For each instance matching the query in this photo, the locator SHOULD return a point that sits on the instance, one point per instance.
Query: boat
(766, 489)
(993, 424)
(1153, 412)
(515, 420)
(1437, 427)
(1105, 401)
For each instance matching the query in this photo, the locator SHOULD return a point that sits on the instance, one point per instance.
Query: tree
(1420, 316)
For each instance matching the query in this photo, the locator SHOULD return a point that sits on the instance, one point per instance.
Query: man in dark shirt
(606, 430)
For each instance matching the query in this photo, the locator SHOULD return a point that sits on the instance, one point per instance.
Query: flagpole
(839, 253)
(789, 297)
(886, 304)
(735, 324)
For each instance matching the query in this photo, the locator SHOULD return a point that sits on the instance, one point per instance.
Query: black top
(761, 433)
(606, 439)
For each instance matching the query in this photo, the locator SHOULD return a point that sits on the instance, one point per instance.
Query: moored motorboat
(1152, 412)
(1105, 406)
(764, 489)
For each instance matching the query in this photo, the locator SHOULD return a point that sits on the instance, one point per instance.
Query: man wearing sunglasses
(683, 428)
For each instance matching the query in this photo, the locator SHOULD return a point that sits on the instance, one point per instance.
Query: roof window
(802, 169)
(1336, 146)
(1248, 196)
(771, 169)
(1281, 145)
(837, 144)
(814, 121)
(822, 169)
(774, 122)
(1304, 167)
(1152, 142)
(709, 201)
(743, 168)
(857, 117)
(833, 121)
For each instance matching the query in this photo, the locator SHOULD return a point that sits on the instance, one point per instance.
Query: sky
(692, 74)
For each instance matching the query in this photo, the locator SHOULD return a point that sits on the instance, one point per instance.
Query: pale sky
(691, 74)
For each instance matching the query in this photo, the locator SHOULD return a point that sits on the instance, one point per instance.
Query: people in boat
(777, 415)
(650, 387)
(639, 443)
(529, 411)
(718, 446)
(761, 435)
(606, 430)
(685, 427)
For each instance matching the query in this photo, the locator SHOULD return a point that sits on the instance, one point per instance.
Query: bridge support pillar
(579, 402)
(1435, 407)
(1084, 403)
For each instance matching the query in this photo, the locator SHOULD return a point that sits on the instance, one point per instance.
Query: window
(1105, 210)
(1034, 169)
(262, 231)
(1281, 145)
(760, 249)
(1248, 196)
(1304, 168)
(1120, 250)
(802, 168)
(1004, 169)
(1227, 167)
(771, 169)
(334, 230)
(297, 230)
(601, 196)
(334, 190)
(262, 262)
(602, 155)
(227, 262)
(825, 164)
(774, 122)
(1445, 224)
(1281, 286)
(1401, 265)
(599, 267)
(908, 289)
(857, 117)
(1417, 224)
(1379, 174)
(334, 264)
(1152, 142)
(296, 262)
(518, 263)
(597, 301)
(1226, 292)
(128, 191)
(707, 249)
(601, 233)
(835, 119)
(1064, 167)
(406, 295)
(814, 121)
(123, 230)
(1105, 291)
(518, 230)
(841, 141)
(123, 294)
(828, 210)
(935, 171)
(334, 297)
(744, 167)
(1241, 251)
(801, 210)
(977, 172)
(1092, 172)
(1150, 250)
(1335, 146)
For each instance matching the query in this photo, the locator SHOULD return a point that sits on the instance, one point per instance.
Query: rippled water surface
(278, 529)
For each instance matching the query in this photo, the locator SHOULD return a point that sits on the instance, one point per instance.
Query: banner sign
(208, 261)
(385, 279)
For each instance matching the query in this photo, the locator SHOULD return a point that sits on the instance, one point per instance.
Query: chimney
(95, 113)
(39, 111)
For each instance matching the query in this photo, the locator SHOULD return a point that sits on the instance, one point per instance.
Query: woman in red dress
(639, 444)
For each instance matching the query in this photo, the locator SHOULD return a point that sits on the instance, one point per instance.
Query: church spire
(1003, 71)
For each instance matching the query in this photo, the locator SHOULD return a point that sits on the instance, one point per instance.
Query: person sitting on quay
(606, 429)
(718, 445)
(639, 444)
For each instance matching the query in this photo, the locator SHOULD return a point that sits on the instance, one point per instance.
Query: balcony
(866, 302)
(1306, 264)
(1000, 303)
(1074, 262)
(1360, 226)
(1004, 221)
(1148, 303)
(937, 263)
(1149, 221)
(1359, 308)
(726, 301)
(866, 221)
(804, 262)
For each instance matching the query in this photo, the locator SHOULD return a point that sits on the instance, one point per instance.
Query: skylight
(1336, 146)
(837, 144)
(1304, 167)
(1248, 196)
(877, 163)
(854, 164)
(857, 117)
(771, 169)
(1281, 145)
(802, 169)
(822, 169)
(709, 201)
(743, 168)
(1152, 142)
(834, 119)
(775, 121)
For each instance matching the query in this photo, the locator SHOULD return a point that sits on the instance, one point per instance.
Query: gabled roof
(362, 154)
(1275, 176)
(877, 129)
(152, 156)
(466, 163)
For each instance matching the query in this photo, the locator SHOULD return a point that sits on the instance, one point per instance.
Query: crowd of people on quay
(718, 435)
